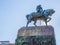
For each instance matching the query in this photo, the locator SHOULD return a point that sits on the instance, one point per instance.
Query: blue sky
(13, 12)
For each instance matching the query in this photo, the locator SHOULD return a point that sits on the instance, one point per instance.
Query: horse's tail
(27, 16)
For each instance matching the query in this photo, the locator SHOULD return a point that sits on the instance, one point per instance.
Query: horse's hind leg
(27, 23)
(35, 23)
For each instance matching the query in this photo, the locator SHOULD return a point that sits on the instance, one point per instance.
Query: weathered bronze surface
(40, 14)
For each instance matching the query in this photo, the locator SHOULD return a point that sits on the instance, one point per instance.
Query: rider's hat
(38, 6)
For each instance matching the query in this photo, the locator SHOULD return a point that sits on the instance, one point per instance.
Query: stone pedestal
(40, 35)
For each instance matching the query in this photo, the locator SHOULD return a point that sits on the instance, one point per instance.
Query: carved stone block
(40, 35)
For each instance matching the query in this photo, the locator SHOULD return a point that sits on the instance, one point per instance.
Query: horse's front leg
(48, 19)
(35, 23)
(46, 22)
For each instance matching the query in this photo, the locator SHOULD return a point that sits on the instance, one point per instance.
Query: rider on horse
(40, 14)
(39, 9)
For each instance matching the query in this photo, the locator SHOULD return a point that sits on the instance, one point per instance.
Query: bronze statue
(40, 14)
(39, 9)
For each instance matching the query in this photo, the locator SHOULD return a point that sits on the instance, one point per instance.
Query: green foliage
(37, 40)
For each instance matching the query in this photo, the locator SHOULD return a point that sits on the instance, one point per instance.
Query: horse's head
(51, 11)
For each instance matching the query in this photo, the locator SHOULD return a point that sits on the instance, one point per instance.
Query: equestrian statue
(40, 14)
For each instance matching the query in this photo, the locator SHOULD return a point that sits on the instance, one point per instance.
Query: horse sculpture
(45, 16)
